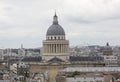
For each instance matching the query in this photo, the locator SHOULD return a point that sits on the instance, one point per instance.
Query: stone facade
(55, 45)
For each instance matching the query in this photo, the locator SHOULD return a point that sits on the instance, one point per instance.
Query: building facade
(55, 46)
(56, 56)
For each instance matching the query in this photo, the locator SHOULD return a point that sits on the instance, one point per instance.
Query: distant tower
(21, 46)
(107, 50)
(21, 51)
(55, 45)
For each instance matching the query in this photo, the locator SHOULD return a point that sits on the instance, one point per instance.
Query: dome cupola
(55, 28)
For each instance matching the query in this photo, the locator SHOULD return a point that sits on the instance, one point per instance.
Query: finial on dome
(55, 13)
(55, 19)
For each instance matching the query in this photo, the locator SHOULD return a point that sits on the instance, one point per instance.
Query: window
(98, 81)
(91, 81)
(58, 38)
(55, 38)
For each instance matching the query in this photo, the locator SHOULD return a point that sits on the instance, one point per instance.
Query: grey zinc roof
(54, 60)
(32, 59)
(88, 58)
(55, 29)
(13, 60)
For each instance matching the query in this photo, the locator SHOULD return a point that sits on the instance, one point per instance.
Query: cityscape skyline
(89, 23)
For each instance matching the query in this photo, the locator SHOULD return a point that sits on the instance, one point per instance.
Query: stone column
(46, 48)
(61, 48)
(50, 48)
(53, 48)
(56, 48)
(64, 48)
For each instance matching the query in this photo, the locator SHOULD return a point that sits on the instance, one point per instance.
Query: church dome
(107, 47)
(55, 28)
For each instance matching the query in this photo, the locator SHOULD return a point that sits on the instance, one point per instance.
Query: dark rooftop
(87, 58)
(54, 60)
(32, 59)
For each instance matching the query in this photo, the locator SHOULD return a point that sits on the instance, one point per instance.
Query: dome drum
(54, 37)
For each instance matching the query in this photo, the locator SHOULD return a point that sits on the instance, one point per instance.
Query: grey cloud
(90, 11)
(31, 18)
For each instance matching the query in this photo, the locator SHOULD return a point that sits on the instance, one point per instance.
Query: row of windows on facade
(55, 37)
(89, 81)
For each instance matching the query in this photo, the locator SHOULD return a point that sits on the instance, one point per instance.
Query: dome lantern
(55, 19)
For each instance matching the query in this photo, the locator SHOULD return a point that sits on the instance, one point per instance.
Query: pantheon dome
(55, 28)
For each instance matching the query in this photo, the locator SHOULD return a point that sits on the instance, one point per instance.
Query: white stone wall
(85, 79)
(13, 68)
(55, 46)
(110, 59)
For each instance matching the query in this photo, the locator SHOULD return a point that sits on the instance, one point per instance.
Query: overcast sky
(86, 22)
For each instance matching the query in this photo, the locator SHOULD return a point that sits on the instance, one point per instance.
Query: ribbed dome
(55, 28)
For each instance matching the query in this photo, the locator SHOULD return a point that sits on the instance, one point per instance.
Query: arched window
(58, 38)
